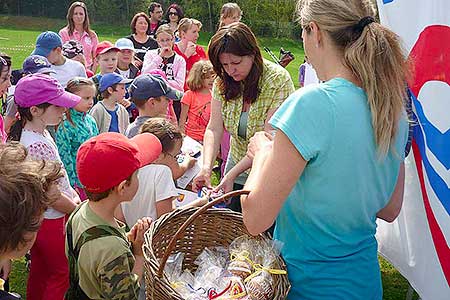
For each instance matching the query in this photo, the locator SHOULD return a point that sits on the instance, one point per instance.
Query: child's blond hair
(200, 70)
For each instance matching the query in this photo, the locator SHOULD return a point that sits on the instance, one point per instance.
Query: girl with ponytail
(335, 163)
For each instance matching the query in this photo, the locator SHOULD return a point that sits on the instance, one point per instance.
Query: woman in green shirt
(247, 92)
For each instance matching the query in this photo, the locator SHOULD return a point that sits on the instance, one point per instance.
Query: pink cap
(35, 89)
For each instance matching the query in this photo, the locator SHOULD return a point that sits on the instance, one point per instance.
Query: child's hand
(165, 52)
(189, 161)
(125, 103)
(136, 235)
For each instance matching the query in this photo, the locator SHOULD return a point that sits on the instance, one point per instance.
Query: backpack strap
(75, 292)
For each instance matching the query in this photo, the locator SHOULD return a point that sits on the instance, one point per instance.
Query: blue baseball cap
(36, 64)
(124, 44)
(111, 79)
(46, 42)
(148, 86)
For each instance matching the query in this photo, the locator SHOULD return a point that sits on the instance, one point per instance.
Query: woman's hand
(202, 179)
(226, 184)
(261, 141)
(190, 49)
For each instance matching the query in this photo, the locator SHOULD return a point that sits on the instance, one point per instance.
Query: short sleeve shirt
(42, 147)
(328, 221)
(198, 113)
(275, 86)
(105, 264)
(155, 184)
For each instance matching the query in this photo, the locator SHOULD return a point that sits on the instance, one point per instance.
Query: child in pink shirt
(196, 102)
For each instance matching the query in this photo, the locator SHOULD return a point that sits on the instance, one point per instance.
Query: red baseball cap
(106, 160)
(104, 47)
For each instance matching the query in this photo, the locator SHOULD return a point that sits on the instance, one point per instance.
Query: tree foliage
(273, 18)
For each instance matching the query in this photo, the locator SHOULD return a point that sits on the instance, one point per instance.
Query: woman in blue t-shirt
(335, 164)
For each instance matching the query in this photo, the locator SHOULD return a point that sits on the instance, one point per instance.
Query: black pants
(235, 205)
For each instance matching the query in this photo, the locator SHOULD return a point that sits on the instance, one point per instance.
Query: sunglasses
(173, 14)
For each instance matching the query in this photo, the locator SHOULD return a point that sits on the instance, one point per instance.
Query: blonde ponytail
(372, 52)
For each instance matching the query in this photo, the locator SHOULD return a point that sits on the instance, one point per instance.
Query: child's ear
(110, 90)
(121, 187)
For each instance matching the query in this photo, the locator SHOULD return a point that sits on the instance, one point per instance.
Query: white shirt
(68, 70)
(42, 147)
(125, 74)
(155, 184)
(310, 75)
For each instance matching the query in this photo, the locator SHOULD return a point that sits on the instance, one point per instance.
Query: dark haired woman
(173, 16)
(78, 28)
(141, 40)
(247, 92)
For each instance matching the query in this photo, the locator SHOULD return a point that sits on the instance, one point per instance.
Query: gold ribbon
(259, 269)
(242, 256)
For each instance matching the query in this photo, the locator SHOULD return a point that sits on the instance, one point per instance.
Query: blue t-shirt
(114, 126)
(327, 223)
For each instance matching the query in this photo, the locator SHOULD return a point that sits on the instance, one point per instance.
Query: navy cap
(148, 86)
(36, 64)
(111, 79)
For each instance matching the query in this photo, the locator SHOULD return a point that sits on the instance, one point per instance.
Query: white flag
(417, 243)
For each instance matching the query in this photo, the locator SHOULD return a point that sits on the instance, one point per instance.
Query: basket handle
(189, 221)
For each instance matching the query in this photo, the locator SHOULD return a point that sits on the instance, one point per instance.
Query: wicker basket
(190, 231)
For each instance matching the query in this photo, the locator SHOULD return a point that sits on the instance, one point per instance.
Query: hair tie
(363, 23)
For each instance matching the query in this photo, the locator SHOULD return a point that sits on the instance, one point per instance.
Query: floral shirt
(69, 138)
(40, 146)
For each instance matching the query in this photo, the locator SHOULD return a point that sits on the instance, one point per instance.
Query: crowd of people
(92, 134)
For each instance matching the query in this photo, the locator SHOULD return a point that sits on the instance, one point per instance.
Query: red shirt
(199, 54)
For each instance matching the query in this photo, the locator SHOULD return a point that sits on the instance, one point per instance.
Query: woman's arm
(226, 184)
(391, 211)
(211, 144)
(275, 170)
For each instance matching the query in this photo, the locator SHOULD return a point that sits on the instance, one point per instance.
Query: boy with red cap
(102, 266)
(106, 57)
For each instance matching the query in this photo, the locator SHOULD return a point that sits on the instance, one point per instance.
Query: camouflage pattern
(117, 280)
(111, 277)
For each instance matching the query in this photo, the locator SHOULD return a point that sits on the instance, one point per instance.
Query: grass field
(18, 35)
(17, 38)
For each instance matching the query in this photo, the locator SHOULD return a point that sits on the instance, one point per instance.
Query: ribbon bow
(259, 269)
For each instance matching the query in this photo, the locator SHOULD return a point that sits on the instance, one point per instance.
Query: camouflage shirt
(105, 264)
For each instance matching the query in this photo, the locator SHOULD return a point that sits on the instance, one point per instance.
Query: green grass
(17, 38)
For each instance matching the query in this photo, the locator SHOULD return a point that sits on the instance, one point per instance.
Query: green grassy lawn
(17, 38)
(18, 35)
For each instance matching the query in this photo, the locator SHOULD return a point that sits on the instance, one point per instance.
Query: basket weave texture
(210, 228)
